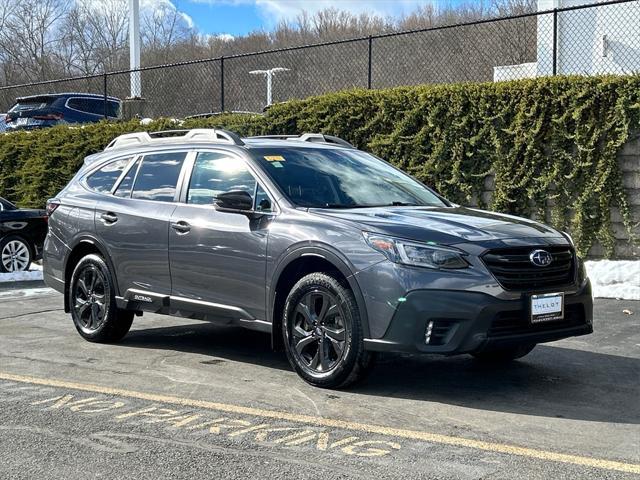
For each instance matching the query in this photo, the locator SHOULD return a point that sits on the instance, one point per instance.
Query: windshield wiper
(373, 205)
(344, 205)
(400, 204)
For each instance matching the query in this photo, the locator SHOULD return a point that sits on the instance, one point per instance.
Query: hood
(444, 225)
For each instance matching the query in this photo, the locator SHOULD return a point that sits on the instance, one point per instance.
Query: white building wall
(618, 39)
(590, 41)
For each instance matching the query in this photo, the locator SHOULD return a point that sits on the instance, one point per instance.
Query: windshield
(337, 178)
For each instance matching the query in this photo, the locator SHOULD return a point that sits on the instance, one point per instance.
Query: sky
(239, 17)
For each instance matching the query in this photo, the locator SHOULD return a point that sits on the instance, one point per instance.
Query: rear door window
(158, 176)
(104, 179)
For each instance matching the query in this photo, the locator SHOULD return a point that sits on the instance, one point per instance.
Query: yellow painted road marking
(346, 425)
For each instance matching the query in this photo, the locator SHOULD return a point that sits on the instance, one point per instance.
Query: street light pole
(134, 48)
(268, 74)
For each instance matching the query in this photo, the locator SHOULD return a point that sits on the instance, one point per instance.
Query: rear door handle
(109, 217)
(181, 227)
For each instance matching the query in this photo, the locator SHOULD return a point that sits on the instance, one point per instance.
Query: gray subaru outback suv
(332, 251)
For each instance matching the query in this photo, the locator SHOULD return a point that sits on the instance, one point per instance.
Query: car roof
(142, 142)
(218, 136)
(271, 143)
(66, 94)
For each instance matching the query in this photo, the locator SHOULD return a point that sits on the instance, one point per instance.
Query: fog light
(427, 334)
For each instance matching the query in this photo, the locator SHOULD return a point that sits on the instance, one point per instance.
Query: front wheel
(323, 332)
(504, 354)
(93, 303)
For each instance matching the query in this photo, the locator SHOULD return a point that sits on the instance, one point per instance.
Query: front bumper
(467, 321)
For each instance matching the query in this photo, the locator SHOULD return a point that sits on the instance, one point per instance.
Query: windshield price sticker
(547, 307)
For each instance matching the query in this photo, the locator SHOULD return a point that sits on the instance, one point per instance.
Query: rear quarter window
(103, 180)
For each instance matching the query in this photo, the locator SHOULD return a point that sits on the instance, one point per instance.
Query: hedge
(550, 142)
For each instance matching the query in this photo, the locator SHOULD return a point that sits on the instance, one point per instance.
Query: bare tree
(161, 29)
(30, 36)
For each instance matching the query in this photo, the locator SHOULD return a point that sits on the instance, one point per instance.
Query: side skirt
(141, 300)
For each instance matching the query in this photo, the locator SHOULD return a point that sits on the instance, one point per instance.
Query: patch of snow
(146, 121)
(27, 292)
(615, 278)
(31, 275)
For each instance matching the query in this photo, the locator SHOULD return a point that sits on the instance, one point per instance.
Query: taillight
(48, 116)
(52, 205)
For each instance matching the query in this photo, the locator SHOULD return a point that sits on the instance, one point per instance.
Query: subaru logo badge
(540, 258)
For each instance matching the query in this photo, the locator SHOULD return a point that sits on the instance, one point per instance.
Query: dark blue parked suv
(39, 111)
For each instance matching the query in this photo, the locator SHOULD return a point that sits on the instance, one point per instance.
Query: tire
(322, 332)
(92, 302)
(504, 354)
(16, 254)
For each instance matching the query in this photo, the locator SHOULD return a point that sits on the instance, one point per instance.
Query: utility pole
(268, 74)
(134, 48)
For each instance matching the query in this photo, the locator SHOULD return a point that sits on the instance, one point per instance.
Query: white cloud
(225, 37)
(151, 5)
(102, 6)
(275, 10)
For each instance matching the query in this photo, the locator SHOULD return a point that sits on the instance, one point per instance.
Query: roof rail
(311, 138)
(207, 134)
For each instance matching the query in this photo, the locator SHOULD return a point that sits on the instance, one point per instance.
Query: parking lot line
(495, 447)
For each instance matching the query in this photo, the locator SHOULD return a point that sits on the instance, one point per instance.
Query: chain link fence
(599, 38)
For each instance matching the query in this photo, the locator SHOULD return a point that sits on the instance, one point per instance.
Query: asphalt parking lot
(185, 399)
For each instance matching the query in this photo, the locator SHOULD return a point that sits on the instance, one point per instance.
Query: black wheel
(15, 254)
(323, 332)
(93, 303)
(504, 354)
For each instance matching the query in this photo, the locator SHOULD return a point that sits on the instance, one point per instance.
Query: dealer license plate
(547, 307)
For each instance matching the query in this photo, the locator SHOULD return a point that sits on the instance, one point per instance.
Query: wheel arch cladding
(295, 266)
(83, 247)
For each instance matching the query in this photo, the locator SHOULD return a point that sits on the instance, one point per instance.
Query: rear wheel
(93, 304)
(323, 332)
(504, 354)
(15, 255)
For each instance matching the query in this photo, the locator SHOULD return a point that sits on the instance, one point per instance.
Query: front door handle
(181, 227)
(109, 217)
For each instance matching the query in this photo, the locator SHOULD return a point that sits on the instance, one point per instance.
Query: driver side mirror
(235, 201)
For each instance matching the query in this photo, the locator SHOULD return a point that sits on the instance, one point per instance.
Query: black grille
(514, 270)
(517, 322)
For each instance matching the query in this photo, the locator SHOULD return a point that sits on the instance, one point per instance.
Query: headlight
(416, 254)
